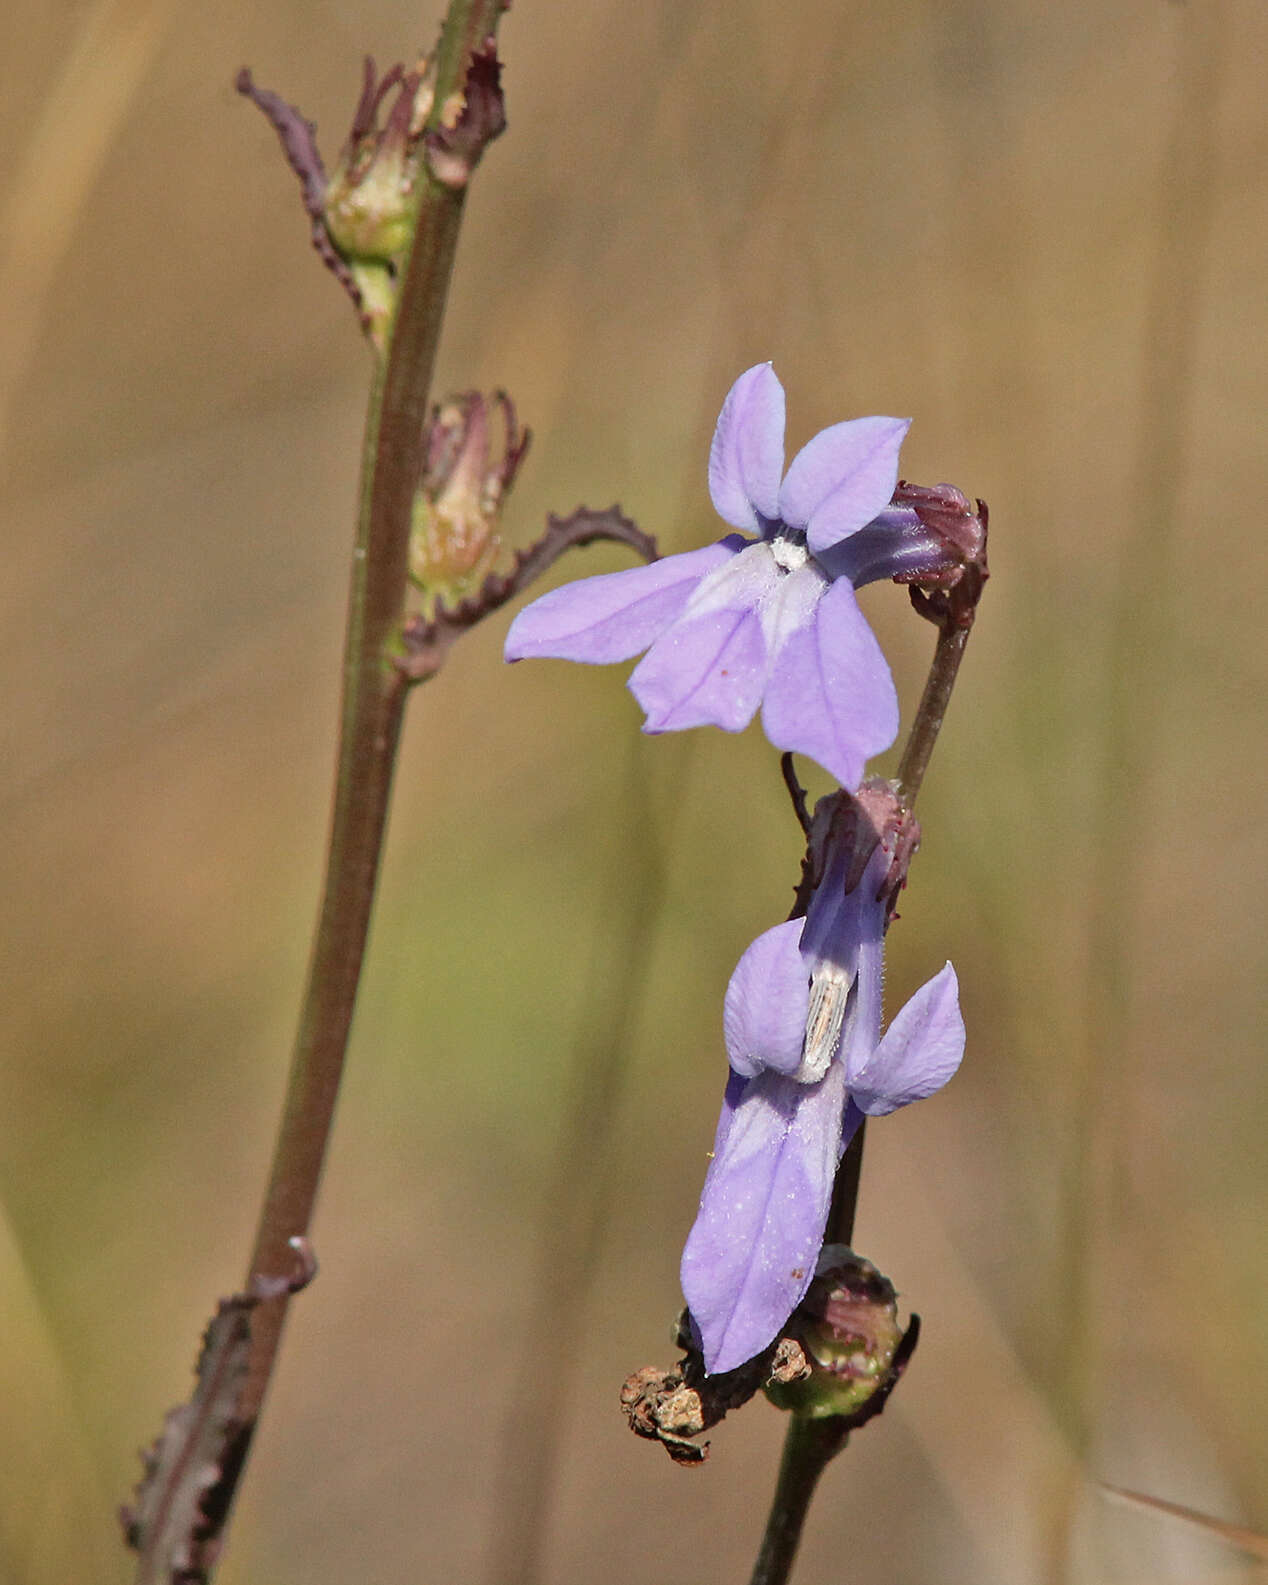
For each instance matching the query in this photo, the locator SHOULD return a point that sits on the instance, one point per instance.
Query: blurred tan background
(1039, 230)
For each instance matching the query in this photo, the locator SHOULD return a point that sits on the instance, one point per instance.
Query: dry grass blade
(1235, 1534)
(53, 1518)
(85, 107)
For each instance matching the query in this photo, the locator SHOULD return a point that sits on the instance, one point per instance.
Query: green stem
(845, 1191)
(808, 1449)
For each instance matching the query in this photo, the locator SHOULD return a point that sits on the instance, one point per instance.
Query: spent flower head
(769, 621)
(453, 536)
(364, 213)
(371, 195)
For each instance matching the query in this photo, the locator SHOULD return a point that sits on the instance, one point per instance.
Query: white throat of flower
(788, 554)
(789, 604)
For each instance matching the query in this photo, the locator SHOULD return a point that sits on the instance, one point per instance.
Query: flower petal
(736, 1084)
(842, 943)
(842, 478)
(919, 1053)
(613, 616)
(705, 671)
(746, 458)
(764, 1013)
(850, 1124)
(833, 925)
(744, 583)
(830, 695)
(751, 1255)
(863, 1031)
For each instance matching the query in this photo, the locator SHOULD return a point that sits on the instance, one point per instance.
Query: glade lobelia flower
(802, 1020)
(770, 621)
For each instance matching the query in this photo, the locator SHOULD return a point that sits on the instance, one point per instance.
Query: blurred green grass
(952, 213)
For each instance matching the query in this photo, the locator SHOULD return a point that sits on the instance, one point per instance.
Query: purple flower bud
(946, 512)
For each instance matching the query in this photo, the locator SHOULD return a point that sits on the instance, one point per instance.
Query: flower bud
(848, 1328)
(958, 524)
(454, 540)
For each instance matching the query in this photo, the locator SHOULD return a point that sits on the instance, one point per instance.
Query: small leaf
(192, 1468)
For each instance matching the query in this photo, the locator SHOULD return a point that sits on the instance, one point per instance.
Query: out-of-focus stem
(373, 702)
(374, 691)
(1131, 712)
(579, 1199)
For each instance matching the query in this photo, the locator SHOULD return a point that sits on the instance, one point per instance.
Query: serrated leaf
(175, 1520)
(427, 640)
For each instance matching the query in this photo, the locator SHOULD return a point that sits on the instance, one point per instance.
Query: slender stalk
(808, 1449)
(952, 637)
(845, 1191)
(367, 757)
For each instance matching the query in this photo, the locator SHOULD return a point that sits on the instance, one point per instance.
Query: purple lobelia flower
(802, 1020)
(770, 621)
